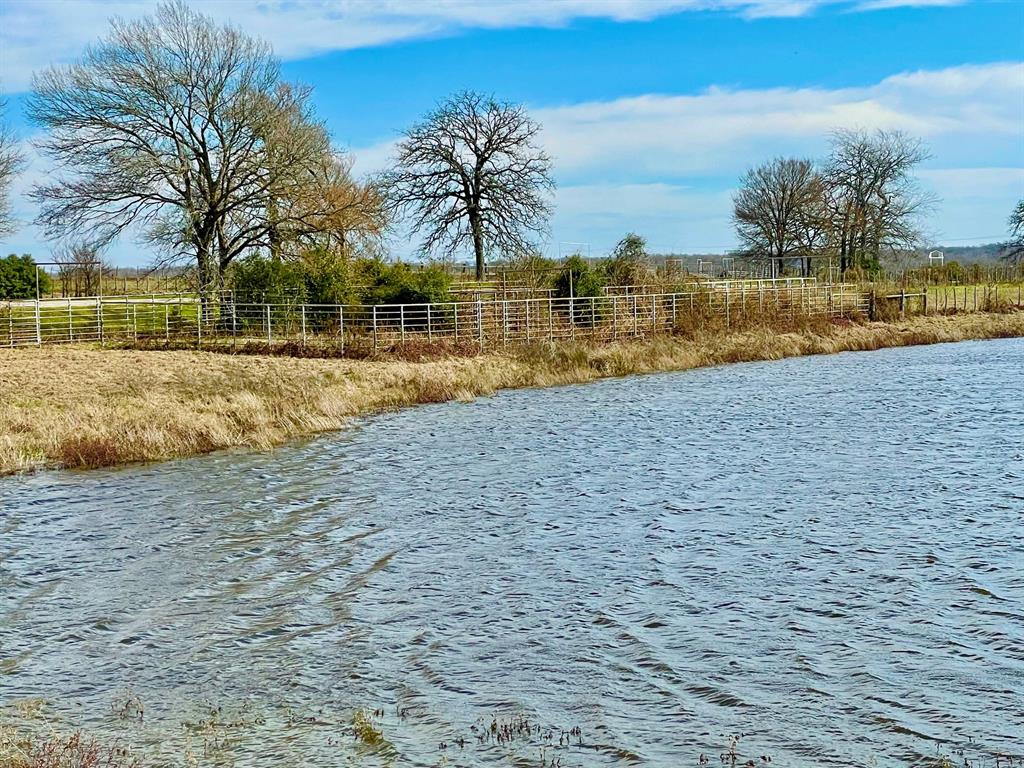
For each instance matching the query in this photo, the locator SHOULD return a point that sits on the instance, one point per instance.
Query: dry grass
(89, 407)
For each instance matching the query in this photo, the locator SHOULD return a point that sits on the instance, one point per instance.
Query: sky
(651, 109)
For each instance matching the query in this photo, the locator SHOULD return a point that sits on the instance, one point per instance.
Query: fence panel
(485, 324)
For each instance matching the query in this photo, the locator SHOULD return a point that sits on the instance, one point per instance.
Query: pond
(825, 555)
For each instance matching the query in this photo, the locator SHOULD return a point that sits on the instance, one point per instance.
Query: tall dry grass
(88, 407)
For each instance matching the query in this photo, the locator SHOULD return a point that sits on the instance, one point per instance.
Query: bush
(328, 278)
(578, 278)
(628, 263)
(257, 279)
(401, 284)
(18, 278)
(325, 278)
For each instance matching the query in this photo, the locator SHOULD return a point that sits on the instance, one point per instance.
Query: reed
(82, 407)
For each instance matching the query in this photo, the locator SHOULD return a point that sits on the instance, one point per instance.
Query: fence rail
(487, 324)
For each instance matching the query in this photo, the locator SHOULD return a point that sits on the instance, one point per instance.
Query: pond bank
(89, 407)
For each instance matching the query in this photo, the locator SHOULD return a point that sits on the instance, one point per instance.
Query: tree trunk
(478, 243)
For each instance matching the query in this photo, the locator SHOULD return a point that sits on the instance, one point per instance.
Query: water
(823, 554)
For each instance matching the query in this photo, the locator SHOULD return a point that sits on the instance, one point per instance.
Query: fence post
(528, 301)
(480, 323)
(10, 323)
(727, 323)
(39, 329)
(636, 318)
(167, 323)
(401, 322)
(551, 320)
(269, 337)
(341, 328)
(99, 317)
(302, 309)
(71, 323)
(199, 326)
(615, 317)
(374, 327)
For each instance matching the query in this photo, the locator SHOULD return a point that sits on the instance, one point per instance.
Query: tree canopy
(183, 127)
(471, 173)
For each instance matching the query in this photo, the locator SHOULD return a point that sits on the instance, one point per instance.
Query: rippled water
(823, 554)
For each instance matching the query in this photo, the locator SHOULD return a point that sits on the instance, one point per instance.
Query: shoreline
(86, 407)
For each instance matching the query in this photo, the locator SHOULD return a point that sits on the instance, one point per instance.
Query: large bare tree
(183, 127)
(471, 173)
(875, 203)
(778, 212)
(11, 162)
(1014, 247)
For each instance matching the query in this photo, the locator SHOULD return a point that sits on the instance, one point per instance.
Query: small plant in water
(365, 730)
(128, 707)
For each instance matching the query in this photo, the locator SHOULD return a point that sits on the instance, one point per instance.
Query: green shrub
(18, 278)
(257, 279)
(328, 278)
(400, 283)
(578, 278)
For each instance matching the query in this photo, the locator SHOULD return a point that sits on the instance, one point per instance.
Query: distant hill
(973, 254)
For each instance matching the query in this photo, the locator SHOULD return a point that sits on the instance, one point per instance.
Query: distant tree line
(858, 207)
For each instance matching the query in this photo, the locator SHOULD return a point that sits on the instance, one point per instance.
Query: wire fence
(487, 324)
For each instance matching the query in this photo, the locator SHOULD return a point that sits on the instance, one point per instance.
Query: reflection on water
(825, 554)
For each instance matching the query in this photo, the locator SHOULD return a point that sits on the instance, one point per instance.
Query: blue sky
(651, 108)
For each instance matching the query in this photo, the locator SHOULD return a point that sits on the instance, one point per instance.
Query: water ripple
(826, 555)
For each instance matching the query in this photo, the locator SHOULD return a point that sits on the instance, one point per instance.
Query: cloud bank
(665, 164)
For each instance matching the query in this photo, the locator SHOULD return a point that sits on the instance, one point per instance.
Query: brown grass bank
(90, 407)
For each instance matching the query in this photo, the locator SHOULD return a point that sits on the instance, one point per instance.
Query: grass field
(82, 406)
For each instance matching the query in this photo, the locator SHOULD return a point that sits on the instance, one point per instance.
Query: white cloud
(36, 34)
(723, 130)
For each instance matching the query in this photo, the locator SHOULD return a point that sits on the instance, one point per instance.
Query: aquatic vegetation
(20, 749)
(365, 730)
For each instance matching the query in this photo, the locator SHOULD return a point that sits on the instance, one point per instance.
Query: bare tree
(1014, 247)
(184, 128)
(11, 162)
(79, 268)
(334, 212)
(778, 212)
(874, 203)
(471, 173)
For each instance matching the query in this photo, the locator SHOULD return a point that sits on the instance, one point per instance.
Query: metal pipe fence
(487, 324)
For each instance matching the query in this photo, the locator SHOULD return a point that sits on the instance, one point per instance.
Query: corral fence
(487, 324)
